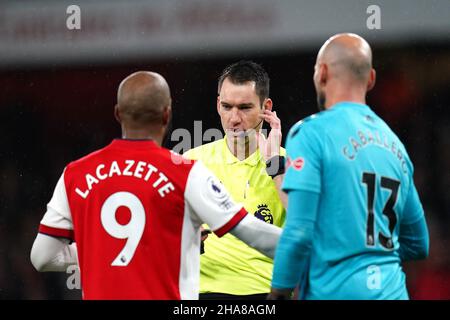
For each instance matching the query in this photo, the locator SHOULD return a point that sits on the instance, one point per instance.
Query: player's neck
(242, 148)
(141, 134)
(348, 96)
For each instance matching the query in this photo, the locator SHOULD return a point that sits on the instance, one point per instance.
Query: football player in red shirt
(134, 209)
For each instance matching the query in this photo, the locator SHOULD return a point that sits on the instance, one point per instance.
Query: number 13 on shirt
(386, 183)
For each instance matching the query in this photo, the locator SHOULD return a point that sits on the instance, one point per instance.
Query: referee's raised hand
(270, 146)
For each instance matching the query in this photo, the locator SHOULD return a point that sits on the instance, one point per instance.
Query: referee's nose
(235, 117)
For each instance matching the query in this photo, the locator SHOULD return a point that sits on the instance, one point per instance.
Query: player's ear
(167, 113)
(372, 79)
(116, 113)
(268, 104)
(323, 74)
(218, 105)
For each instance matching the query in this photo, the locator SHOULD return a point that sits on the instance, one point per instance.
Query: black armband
(202, 247)
(275, 166)
(202, 242)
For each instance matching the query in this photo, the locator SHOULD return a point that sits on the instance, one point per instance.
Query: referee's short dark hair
(246, 71)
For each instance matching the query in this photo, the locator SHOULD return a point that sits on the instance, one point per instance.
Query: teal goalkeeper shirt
(363, 179)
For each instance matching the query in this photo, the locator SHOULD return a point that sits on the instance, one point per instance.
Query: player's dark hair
(245, 71)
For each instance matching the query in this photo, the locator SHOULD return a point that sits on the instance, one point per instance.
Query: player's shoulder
(176, 158)
(313, 122)
(204, 151)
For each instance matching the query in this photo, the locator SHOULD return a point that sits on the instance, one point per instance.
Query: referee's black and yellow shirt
(229, 265)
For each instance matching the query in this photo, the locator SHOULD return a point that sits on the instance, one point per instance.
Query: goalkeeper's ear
(372, 80)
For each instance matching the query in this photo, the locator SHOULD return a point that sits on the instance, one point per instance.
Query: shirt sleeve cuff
(232, 223)
(56, 232)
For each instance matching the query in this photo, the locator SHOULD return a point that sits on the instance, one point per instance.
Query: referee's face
(239, 107)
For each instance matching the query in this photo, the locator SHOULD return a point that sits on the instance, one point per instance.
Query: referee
(251, 168)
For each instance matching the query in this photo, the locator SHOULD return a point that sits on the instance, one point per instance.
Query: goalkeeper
(354, 213)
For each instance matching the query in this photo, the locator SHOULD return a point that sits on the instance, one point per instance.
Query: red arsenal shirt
(134, 210)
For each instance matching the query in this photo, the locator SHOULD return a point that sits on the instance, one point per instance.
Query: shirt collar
(349, 104)
(134, 143)
(229, 157)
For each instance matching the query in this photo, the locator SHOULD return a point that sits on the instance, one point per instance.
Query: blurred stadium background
(58, 87)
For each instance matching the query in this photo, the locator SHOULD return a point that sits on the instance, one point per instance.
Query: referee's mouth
(238, 132)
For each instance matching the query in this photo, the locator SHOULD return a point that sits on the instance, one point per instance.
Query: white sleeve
(57, 221)
(51, 254)
(258, 234)
(210, 200)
